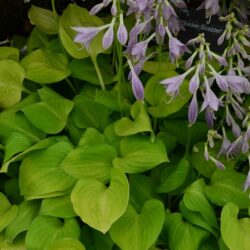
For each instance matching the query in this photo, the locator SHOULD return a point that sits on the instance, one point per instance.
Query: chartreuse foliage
(85, 168)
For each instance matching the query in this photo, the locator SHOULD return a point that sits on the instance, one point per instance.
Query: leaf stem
(98, 71)
(54, 8)
(71, 85)
(188, 142)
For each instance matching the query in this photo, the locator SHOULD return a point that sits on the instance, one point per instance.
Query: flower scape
(125, 124)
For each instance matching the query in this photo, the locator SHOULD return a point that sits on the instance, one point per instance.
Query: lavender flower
(108, 37)
(173, 84)
(222, 82)
(194, 82)
(193, 110)
(122, 33)
(176, 48)
(139, 50)
(211, 6)
(137, 86)
(210, 117)
(86, 34)
(225, 144)
(210, 99)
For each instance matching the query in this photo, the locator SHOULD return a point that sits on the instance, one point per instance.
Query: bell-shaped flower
(122, 33)
(194, 82)
(210, 99)
(86, 34)
(137, 86)
(173, 84)
(176, 48)
(212, 7)
(108, 37)
(193, 110)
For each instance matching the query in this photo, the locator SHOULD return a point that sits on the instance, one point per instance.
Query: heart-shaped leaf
(44, 19)
(9, 53)
(43, 66)
(60, 207)
(66, 244)
(75, 16)
(195, 218)
(172, 177)
(140, 123)
(100, 206)
(49, 115)
(235, 233)
(91, 162)
(91, 137)
(40, 173)
(89, 113)
(139, 154)
(227, 186)
(26, 213)
(19, 244)
(138, 231)
(37, 40)
(39, 145)
(182, 235)
(7, 212)
(45, 230)
(195, 200)
(11, 82)
(10, 122)
(16, 143)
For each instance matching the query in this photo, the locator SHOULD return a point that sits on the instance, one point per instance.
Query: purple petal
(194, 83)
(122, 34)
(193, 110)
(137, 86)
(108, 38)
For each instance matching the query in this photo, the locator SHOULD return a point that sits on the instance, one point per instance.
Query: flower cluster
(216, 82)
(155, 20)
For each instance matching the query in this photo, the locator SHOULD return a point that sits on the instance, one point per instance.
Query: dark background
(14, 14)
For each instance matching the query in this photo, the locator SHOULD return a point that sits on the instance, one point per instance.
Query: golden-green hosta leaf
(27, 211)
(90, 162)
(9, 53)
(140, 123)
(173, 177)
(139, 154)
(40, 173)
(45, 230)
(51, 113)
(75, 16)
(11, 82)
(235, 232)
(227, 186)
(195, 200)
(182, 235)
(138, 231)
(7, 212)
(100, 206)
(43, 66)
(44, 19)
(66, 244)
(60, 207)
